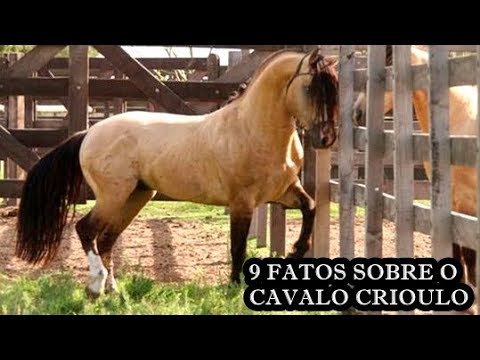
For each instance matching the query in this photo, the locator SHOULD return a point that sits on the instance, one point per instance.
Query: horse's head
(312, 98)
(359, 115)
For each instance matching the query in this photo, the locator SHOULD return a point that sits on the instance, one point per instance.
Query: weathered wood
(262, 214)
(252, 232)
(15, 116)
(32, 61)
(244, 70)
(40, 138)
(119, 106)
(78, 96)
(309, 175)
(213, 67)
(321, 233)
(13, 189)
(150, 63)
(78, 89)
(477, 235)
(43, 123)
(375, 151)
(156, 92)
(461, 72)
(440, 153)
(115, 88)
(63, 99)
(277, 230)
(463, 148)
(30, 111)
(403, 183)
(19, 153)
(464, 227)
(256, 47)
(421, 189)
(346, 155)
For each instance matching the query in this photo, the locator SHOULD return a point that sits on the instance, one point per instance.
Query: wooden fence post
(15, 115)
(78, 95)
(477, 272)
(442, 243)
(403, 151)
(375, 150)
(346, 153)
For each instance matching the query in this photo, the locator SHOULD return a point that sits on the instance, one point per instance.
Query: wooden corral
(407, 148)
(361, 172)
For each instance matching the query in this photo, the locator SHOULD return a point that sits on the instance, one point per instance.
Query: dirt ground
(171, 250)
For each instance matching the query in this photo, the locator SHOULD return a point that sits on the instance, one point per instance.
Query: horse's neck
(266, 115)
(420, 104)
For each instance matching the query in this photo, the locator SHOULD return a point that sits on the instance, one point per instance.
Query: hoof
(96, 286)
(111, 287)
(91, 294)
(235, 280)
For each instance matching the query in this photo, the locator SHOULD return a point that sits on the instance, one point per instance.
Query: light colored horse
(246, 154)
(463, 121)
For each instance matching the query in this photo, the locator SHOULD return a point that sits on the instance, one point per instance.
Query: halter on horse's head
(320, 90)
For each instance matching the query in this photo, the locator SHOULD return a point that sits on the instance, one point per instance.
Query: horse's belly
(183, 184)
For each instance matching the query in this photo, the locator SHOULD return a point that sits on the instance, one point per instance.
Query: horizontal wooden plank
(359, 159)
(421, 189)
(464, 148)
(13, 189)
(49, 123)
(461, 72)
(453, 48)
(115, 88)
(42, 138)
(150, 63)
(464, 226)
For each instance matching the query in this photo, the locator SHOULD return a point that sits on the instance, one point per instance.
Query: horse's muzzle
(322, 137)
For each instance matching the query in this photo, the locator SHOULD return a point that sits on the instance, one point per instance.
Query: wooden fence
(38, 76)
(407, 148)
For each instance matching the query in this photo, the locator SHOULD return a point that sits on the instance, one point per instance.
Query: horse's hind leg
(105, 242)
(87, 229)
(103, 221)
(297, 198)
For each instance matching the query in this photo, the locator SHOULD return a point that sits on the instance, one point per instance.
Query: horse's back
(117, 150)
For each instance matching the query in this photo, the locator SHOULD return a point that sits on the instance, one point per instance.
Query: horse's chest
(278, 180)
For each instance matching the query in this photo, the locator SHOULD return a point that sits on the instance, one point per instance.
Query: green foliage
(26, 48)
(16, 48)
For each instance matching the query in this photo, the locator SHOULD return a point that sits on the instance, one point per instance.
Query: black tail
(50, 189)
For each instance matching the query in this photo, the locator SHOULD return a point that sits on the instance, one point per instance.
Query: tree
(26, 48)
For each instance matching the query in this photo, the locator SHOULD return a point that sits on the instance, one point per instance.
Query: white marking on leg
(112, 286)
(98, 273)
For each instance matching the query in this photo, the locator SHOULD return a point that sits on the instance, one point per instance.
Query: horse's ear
(332, 61)
(315, 57)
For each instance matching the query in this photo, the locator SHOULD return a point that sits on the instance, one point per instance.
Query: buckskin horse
(463, 115)
(245, 154)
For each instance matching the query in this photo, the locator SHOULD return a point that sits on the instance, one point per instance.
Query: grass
(60, 294)
(212, 215)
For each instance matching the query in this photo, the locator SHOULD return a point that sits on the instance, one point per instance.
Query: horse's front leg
(297, 198)
(241, 212)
